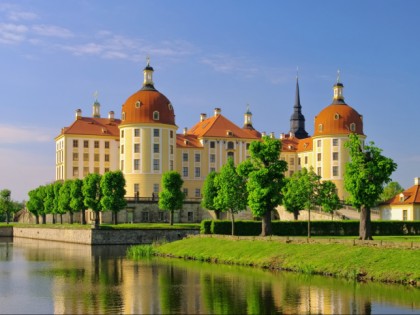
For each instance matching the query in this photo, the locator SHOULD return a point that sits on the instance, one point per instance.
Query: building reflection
(101, 280)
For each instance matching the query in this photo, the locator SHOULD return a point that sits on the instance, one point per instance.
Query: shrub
(205, 227)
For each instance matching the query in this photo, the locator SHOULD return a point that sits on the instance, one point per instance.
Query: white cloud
(14, 135)
(12, 33)
(52, 31)
(21, 15)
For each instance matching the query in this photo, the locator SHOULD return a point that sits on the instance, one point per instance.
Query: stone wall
(6, 231)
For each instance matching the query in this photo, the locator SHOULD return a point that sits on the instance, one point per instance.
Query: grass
(140, 251)
(340, 260)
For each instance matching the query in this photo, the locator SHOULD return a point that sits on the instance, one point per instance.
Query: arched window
(320, 127)
(230, 145)
(123, 116)
(155, 115)
(336, 116)
(170, 106)
(352, 127)
(138, 104)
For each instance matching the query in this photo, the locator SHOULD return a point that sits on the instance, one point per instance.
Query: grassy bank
(340, 260)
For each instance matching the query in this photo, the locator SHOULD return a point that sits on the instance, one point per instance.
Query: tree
(92, 194)
(76, 202)
(113, 192)
(64, 198)
(56, 209)
(209, 193)
(49, 200)
(171, 197)
(292, 199)
(364, 179)
(6, 205)
(329, 199)
(231, 194)
(390, 191)
(41, 194)
(34, 204)
(265, 173)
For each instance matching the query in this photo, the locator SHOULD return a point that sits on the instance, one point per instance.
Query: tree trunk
(44, 218)
(37, 219)
(217, 212)
(171, 218)
(7, 217)
(309, 223)
(233, 222)
(115, 218)
(53, 218)
(71, 217)
(365, 232)
(61, 218)
(295, 215)
(83, 216)
(266, 224)
(96, 220)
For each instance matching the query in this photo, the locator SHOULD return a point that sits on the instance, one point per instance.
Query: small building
(405, 206)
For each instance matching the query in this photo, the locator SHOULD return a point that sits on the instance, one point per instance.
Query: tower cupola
(148, 76)
(338, 91)
(96, 108)
(248, 118)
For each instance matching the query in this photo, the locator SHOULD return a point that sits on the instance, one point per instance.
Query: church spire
(297, 120)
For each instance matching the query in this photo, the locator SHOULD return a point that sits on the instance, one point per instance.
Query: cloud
(12, 33)
(52, 31)
(15, 135)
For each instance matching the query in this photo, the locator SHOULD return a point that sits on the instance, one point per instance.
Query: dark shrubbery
(318, 228)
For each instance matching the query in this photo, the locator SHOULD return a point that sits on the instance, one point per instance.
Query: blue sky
(206, 54)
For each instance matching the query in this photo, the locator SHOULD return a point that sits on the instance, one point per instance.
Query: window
(155, 115)
(171, 165)
(136, 188)
(247, 146)
(122, 165)
(292, 161)
(212, 169)
(85, 171)
(190, 216)
(198, 192)
(156, 165)
(352, 127)
(156, 132)
(96, 170)
(405, 215)
(230, 145)
(171, 134)
(136, 147)
(212, 158)
(122, 133)
(171, 149)
(122, 149)
(306, 160)
(155, 147)
(86, 143)
(75, 156)
(75, 171)
(212, 144)
(138, 104)
(170, 106)
(320, 127)
(231, 155)
(85, 157)
(106, 144)
(185, 157)
(185, 171)
(335, 156)
(318, 143)
(335, 142)
(299, 161)
(96, 157)
(185, 191)
(335, 171)
(197, 172)
(145, 216)
(156, 188)
(318, 157)
(106, 169)
(123, 115)
(136, 164)
(137, 132)
(318, 171)
(96, 144)
(336, 116)
(106, 157)
(197, 157)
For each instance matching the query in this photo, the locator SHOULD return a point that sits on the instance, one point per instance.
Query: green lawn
(341, 260)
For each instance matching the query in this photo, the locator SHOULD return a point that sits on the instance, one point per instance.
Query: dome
(147, 105)
(338, 118)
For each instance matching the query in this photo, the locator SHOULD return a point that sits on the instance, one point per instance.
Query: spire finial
(95, 95)
(148, 60)
(338, 76)
(247, 108)
(297, 72)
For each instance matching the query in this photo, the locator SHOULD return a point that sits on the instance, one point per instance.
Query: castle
(144, 143)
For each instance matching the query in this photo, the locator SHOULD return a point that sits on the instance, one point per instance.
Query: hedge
(318, 228)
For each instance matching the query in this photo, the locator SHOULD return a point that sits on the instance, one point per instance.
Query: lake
(50, 277)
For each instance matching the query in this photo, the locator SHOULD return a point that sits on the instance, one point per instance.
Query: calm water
(49, 277)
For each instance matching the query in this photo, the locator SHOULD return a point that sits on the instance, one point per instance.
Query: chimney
(203, 116)
(185, 130)
(272, 135)
(111, 115)
(291, 134)
(263, 134)
(417, 181)
(78, 114)
(282, 136)
(217, 111)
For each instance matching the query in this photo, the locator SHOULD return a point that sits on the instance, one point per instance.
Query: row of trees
(259, 183)
(95, 192)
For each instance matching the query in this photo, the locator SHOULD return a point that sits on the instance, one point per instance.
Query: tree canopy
(209, 193)
(113, 192)
(390, 191)
(171, 197)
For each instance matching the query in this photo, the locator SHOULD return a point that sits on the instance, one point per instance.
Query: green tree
(232, 194)
(41, 194)
(6, 205)
(64, 198)
(209, 193)
(92, 194)
(329, 200)
(34, 204)
(390, 191)
(292, 199)
(113, 192)
(364, 179)
(171, 197)
(49, 200)
(56, 208)
(76, 202)
(265, 173)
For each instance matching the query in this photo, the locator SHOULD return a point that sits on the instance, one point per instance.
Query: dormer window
(170, 106)
(336, 116)
(320, 127)
(123, 116)
(138, 104)
(156, 115)
(352, 127)
(229, 133)
(401, 197)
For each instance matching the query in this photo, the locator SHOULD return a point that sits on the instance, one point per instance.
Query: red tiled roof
(93, 126)
(411, 196)
(187, 141)
(219, 126)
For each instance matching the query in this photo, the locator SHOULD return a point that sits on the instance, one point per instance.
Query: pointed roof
(219, 126)
(297, 120)
(93, 126)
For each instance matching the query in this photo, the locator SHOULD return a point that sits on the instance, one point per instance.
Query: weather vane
(148, 60)
(338, 76)
(95, 95)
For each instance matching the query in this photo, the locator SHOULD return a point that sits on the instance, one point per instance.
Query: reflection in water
(50, 277)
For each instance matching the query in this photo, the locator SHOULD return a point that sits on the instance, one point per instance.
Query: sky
(229, 54)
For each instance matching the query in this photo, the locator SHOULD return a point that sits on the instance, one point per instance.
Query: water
(49, 277)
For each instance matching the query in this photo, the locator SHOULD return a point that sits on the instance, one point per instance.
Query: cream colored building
(404, 206)
(144, 143)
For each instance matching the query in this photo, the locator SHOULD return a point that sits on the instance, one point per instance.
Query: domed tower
(332, 127)
(147, 138)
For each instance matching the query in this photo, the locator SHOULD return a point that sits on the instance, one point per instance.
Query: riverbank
(362, 263)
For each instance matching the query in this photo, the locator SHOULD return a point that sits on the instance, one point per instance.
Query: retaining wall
(6, 231)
